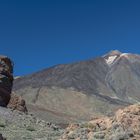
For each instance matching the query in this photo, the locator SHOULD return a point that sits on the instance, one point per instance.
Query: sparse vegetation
(87, 125)
(99, 135)
(2, 123)
(30, 128)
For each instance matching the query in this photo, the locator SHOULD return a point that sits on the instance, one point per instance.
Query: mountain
(77, 91)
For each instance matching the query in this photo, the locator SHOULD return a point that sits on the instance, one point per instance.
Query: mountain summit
(80, 90)
(113, 53)
(112, 56)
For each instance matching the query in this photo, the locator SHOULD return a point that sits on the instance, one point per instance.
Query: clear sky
(38, 34)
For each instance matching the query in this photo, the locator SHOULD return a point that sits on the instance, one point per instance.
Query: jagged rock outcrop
(17, 103)
(6, 79)
(125, 125)
(12, 101)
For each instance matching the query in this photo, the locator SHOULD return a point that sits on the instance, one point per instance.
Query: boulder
(6, 79)
(17, 103)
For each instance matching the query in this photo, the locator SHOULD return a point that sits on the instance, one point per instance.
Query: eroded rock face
(17, 103)
(6, 79)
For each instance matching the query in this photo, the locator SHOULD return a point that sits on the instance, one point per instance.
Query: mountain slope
(79, 90)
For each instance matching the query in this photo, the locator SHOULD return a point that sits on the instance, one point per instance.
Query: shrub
(30, 128)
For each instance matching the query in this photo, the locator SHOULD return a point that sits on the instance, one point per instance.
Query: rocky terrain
(77, 91)
(125, 125)
(60, 103)
(15, 125)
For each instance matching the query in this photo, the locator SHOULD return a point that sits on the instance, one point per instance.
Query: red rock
(6, 79)
(17, 103)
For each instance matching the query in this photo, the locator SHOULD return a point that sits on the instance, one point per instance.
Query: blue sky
(38, 34)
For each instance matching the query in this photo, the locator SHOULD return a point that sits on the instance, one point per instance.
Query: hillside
(77, 91)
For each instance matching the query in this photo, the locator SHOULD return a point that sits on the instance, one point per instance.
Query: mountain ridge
(104, 83)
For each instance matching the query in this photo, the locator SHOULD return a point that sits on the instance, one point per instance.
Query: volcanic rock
(17, 103)
(124, 125)
(6, 79)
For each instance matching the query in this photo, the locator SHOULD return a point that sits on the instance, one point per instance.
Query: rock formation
(17, 103)
(6, 80)
(125, 125)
